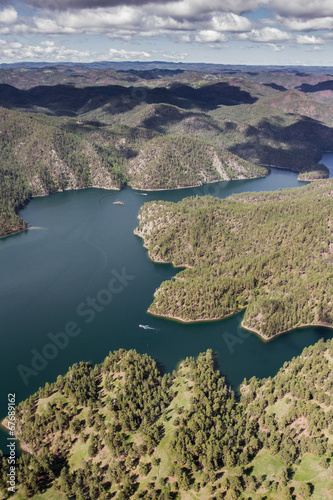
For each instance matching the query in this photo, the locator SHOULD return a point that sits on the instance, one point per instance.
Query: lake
(52, 274)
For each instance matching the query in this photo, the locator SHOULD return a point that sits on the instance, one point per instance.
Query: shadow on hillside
(275, 86)
(163, 117)
(306, 139)
(11, 97)
(68, 100)
(205, 98)
(318, 87)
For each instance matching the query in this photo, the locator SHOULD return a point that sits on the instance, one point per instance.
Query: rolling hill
(71, 127)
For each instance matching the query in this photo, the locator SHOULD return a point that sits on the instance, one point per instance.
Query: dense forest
(270, 253)
(122, 430)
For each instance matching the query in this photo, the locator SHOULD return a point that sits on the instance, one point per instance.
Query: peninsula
(270, 253)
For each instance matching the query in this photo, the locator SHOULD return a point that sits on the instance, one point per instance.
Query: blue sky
(295, 32)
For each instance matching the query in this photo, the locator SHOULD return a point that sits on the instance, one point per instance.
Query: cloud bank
(215, 23)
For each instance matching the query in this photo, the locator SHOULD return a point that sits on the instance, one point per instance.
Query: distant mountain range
(148, 65)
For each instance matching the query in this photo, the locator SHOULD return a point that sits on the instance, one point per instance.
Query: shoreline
(71, 189)
(117, 189)
(264, 337)
(313, 180)
(24, 447)
(308, 179)
(14, 232)
(199, 185)
(189, 321)
(182, 266)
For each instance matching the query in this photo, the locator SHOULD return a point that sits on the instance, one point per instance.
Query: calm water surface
(77, 240)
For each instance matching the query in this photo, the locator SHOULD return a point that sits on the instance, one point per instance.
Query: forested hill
(40, 154)
(271, 253)
(122, 430)
(74, 127)
(263, 117)
(181, 161)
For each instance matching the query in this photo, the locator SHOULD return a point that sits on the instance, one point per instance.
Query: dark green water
(77, 240)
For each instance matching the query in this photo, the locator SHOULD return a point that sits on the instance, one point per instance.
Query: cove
(58, 273)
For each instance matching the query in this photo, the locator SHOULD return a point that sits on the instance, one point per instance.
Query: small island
(270, 253)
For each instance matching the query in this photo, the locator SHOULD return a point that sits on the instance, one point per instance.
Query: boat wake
(144, 194)
(147, 327)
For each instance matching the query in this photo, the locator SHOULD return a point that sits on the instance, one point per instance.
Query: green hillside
(76, 127)
(122, 430)
(40, 155)
(270, 253)
(179, 161)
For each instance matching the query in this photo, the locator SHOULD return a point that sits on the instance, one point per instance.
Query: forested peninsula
(122, 430)
(270, 253)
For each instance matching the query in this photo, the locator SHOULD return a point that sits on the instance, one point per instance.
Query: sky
(251, 32)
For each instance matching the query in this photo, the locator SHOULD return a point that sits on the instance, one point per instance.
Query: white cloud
(122, 22)
(230, 22)
(52, 51)
(46, 51)
(297, 24)
(126, 22)
(193, 8)
(155, 23)
(309, 40)
(175, 56)
(184, 21)
(276, 48)
(316, 48)
(267, 35)
(48, 26)
(303, 8)
(182, 8)
(210, 36)
(99, 20)
(185, 38)
(127, 55)
(8, 15)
